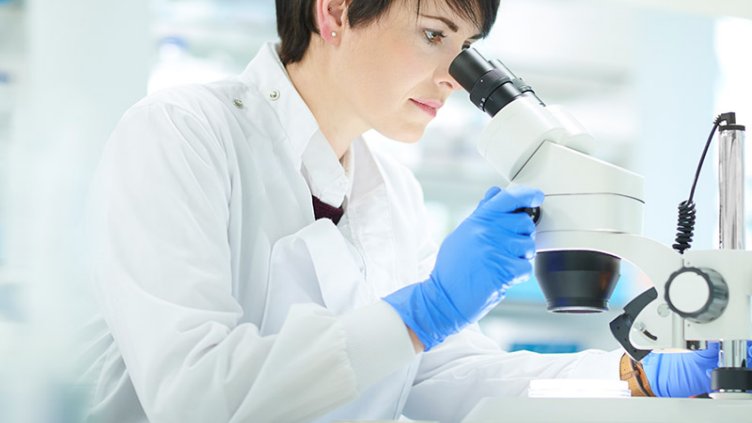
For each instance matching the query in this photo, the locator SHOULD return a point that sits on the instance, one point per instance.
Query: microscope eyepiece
(468, 67)
(491, 84)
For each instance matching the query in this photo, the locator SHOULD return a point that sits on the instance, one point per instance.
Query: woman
(255, 261)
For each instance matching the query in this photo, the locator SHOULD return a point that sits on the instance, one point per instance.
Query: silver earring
(334, 34)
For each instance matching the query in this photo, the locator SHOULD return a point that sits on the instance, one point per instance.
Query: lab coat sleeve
(469, 366)
(161, 269)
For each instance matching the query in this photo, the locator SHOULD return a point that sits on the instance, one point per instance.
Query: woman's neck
(315, 80)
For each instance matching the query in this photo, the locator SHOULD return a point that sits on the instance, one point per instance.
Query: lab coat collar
(327, 178)
(267, 73)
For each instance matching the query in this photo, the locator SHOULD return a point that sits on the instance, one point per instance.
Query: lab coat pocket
(313, 265)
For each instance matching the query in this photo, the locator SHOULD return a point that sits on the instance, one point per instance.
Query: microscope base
(608, 410)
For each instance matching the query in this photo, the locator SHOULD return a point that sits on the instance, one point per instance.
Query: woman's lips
(428, 106)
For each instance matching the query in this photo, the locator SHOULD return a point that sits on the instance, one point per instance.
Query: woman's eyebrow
(449, 23)
(453, 26)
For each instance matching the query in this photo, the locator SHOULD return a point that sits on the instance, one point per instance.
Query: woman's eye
(434, 37)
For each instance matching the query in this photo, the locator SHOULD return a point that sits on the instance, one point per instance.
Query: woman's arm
(469, 367)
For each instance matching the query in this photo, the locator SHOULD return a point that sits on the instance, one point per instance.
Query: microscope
(591, 220)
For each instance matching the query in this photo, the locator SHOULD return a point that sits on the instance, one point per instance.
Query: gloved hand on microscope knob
(487, 253)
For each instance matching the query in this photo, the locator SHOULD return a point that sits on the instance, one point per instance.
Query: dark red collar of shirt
(322, 210)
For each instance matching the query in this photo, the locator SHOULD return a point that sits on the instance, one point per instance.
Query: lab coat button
(238, 103)
(274, 95)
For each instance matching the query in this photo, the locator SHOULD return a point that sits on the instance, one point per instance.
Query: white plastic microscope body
(595, 206)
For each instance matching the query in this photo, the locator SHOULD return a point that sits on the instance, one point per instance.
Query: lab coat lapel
(343, 267)
(371, 221)
(313, 265)
(353, 259)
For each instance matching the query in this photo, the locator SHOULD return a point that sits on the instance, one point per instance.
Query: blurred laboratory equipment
(176, 66)
(73, 67)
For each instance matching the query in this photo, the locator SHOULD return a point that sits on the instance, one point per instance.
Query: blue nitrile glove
(681, 375)
(488, 252)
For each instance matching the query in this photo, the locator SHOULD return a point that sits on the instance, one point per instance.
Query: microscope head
(532, 144)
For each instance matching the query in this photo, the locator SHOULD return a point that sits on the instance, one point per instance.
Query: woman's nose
(444, 79)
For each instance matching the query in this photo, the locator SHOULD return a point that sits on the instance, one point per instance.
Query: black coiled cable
(686, 226)
(687, 213)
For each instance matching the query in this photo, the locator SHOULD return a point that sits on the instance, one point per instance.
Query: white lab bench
(610, 410)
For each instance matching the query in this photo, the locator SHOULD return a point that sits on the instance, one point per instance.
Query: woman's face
(394, 72)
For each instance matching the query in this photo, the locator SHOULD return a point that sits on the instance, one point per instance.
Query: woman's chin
(408, 135)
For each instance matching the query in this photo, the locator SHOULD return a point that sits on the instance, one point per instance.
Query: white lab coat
(225, 301)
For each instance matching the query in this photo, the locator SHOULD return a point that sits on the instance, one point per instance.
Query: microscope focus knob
(698, 294)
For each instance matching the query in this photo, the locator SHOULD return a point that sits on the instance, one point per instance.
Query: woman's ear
(331, 16)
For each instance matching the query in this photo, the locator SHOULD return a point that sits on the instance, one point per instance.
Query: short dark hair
(296, 20)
